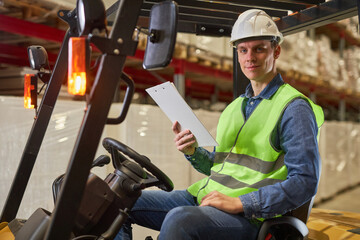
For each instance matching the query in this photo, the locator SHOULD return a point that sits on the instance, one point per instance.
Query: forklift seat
(292, 225)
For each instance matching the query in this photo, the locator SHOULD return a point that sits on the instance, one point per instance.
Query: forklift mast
(95, 118)
(101, 96)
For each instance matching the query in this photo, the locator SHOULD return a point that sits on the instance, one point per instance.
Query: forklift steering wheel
(164, 181)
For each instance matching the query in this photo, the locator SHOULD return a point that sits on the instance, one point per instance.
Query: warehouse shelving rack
(194, 18)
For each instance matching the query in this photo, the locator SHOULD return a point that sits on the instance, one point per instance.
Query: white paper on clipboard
(174, 106)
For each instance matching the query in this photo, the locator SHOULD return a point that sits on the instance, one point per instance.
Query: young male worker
(267, 162)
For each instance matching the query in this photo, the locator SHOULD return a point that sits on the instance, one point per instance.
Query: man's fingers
(209, 196)
(175, 127)
(183, 146)
(222, 202)
(210, 201)
(184, 136)
(183, 139)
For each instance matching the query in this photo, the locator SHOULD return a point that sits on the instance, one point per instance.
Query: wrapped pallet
(335, 154)
(354, 154)
(299, 53)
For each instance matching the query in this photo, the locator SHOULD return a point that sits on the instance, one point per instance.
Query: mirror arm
(70, 18)
(108, 46)
(153, 35)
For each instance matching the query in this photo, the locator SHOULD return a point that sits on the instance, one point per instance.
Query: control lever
(101, 161)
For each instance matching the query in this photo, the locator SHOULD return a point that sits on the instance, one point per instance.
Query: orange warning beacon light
(77, 66)
(30, 91)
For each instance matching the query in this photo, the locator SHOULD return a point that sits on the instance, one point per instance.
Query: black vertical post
(110, 70)
(358, 7)
(36, 135)
(240, 81)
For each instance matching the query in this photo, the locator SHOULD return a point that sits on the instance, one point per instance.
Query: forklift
(99, 206)
(86, 206)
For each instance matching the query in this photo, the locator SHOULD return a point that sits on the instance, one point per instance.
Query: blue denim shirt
(297, 136)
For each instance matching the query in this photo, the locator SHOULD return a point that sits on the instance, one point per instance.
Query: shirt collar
(268, 91)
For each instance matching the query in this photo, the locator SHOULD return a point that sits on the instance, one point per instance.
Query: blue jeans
(177, 216)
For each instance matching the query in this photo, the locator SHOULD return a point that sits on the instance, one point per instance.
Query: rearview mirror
(162, 35)
(38, 57)
(90, 15)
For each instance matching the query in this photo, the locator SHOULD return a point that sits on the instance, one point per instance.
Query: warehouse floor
(345, 201)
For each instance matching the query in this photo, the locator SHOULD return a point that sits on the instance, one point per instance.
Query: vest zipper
(245, 120)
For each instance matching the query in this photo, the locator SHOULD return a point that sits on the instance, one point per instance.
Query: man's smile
(253, 67)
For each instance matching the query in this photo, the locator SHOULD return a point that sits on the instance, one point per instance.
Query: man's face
(257, 59)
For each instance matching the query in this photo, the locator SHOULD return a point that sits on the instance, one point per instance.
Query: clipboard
(175, 108)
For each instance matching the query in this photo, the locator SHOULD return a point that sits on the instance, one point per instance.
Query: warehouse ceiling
(28, 22)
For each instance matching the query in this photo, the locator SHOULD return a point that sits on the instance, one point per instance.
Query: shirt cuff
(192, 158)
(250, 204)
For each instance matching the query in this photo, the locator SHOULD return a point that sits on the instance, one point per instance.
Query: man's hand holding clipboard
(176, 109)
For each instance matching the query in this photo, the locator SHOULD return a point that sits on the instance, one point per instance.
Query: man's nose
(250, 56)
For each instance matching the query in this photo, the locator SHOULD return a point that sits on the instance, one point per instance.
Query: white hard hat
(254, 23)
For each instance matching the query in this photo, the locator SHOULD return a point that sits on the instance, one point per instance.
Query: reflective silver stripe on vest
(253, 163)
(232, 183)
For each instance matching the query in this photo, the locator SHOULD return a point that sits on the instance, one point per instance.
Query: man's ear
(277, 52)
